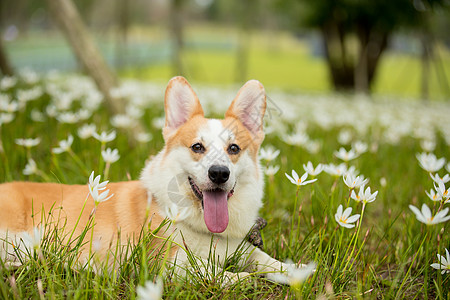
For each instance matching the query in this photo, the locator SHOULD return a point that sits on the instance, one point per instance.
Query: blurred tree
(356, 32)
(69, 21)
(5, 65)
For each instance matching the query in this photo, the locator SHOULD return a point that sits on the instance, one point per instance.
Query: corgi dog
(207, 179)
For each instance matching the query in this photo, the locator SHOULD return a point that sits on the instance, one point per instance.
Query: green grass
(387, 257)
(276, 58)
(281, 61)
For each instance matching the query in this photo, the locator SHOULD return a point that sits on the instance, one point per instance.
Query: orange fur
(24, 203)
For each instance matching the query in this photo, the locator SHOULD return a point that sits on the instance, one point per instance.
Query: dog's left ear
(180, 103)
(249, 107)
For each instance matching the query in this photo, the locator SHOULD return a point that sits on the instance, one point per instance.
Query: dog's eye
(198, 148)
(233, 149)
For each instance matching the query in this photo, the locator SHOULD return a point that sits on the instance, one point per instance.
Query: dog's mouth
(215, 206)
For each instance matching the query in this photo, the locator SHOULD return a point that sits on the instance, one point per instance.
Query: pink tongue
(215, 208)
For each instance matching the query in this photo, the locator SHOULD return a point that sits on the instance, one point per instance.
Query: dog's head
(217, 159)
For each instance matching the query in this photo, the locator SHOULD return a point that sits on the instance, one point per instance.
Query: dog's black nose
(218, 174)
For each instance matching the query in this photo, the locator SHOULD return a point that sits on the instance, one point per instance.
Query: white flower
(7, 82)
(105, 137)
(9, 106)
(158, 123)
(174, 213)
(345, 155)
(99, 197)
(110, 156)
(30, 167)
(150, 291)
(297, 139)
(29, 76)
(271, 170)
(86, 131)
(95, 186)
(444, 263)
(428, 145)
(425, 216)
(309, 168)
(122, 121)
(6, 118)
(95, 182)
(293, 275)
(83, 114)
(64, 145)
(441, 190)
(268, 154)
(429, 162)
(297, 180)
(433, 195)
(312, 146)
(436, 178)
(344, 137)
(296, 275)
(28, 143)
(352, 171)
(143, 137)
(360, 147)
(51, 110)
(33, 241)
(344, 219)
(354, 181)
(28, 95)
(364, 196)
(334, 170)
(134, 112)
(68, 118)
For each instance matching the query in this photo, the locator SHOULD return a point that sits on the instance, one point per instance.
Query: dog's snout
(218, 174)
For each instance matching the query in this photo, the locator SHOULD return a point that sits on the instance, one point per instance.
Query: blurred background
(399, 48)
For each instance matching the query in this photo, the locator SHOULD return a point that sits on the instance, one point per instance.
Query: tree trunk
(5, 66)
(348, 73)
(425, 67)
(361, 72)
(376, 47)
(68, 19)
(340, 67)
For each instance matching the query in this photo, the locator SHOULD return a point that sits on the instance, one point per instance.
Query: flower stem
(357, 235)
(106, 171)
(101, 163)
(78, 220)
(295, 209)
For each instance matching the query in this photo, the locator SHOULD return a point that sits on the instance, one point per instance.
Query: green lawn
(280, 61)
(387, 255)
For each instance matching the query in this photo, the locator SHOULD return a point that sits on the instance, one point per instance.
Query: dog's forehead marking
(215, 136)
(213, 132)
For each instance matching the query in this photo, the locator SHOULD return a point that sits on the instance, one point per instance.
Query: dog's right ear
(180, 103)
